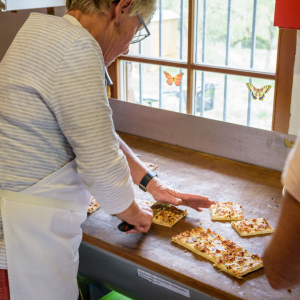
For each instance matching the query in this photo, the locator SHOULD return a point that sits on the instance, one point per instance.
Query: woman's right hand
(138, 214)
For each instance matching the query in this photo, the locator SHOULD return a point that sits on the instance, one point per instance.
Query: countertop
(257, 189)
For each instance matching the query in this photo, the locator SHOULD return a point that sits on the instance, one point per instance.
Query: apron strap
(43, 201)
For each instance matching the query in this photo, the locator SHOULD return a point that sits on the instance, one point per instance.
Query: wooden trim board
(245, 144)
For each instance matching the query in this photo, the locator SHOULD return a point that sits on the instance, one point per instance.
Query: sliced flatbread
(189, 238)
(206, 243)
(169, 216)
(226, 255)
(150, 166)
(155, 210)
(252, 227)
(150, 202)
(227, 211)
(239, 264)
(93, 206)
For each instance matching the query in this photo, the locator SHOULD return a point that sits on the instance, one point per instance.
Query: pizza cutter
(156, 207)
(124, 226)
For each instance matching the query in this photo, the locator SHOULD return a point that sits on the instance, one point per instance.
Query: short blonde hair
(146, 8)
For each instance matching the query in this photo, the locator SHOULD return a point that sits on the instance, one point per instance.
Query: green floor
(85, 285)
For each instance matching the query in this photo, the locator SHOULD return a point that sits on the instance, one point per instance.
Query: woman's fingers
(132, 231)
(172, 200)
(162, 193)
(192, 200)
(139, 229)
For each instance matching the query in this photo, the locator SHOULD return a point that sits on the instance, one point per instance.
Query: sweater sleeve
(291, 173)
(81, 107)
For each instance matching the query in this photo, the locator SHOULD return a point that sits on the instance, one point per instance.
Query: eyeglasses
(140, 37)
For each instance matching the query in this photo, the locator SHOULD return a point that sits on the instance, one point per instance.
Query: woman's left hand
(164, 194)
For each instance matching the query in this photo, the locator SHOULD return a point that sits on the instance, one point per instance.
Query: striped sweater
(54, 108)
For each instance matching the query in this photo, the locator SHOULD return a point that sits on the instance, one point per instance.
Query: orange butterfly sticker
(171, 79)
(258, 93)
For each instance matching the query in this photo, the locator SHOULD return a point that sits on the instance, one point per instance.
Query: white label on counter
(159, 281)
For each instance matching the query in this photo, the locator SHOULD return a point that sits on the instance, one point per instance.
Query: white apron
(42, 234)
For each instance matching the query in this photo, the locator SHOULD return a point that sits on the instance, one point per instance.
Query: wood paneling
(115, 75)
(250, 145)
(284, 79)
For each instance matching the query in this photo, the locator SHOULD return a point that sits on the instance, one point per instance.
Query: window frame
(283, 76)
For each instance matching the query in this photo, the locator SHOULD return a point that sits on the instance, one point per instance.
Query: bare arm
(159, 191)
(282, 255)
(137, 169)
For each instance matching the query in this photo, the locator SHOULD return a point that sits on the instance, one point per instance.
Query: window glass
(237, 33)
(169, 32)
(228, 98)
(156, 86)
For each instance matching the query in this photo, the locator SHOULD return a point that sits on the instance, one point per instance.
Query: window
(201, 54)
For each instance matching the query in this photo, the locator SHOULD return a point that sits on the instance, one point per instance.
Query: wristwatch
(146, 180)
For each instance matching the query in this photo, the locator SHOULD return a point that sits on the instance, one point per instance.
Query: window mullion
(203, 59)
(126, 82)
(253, 42)
(190, 57)
(141, 75)
(160, 53)
(181, 53)
(227, 60)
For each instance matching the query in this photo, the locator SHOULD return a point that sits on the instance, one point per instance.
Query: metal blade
(157, 207)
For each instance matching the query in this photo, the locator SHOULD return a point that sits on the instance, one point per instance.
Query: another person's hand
(138, 214)
(164, 194)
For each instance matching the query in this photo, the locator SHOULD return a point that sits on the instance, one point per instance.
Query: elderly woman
(59, 146)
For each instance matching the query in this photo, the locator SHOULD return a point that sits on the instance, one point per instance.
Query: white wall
(11, 22)
(31, 4)
(295, 105)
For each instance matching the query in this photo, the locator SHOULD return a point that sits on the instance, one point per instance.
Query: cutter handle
(124, 226)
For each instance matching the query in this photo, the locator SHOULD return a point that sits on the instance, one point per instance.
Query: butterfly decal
(171, 79)
(258, 93)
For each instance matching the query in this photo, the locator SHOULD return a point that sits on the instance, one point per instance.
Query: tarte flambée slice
(226, 211)
(206, 243)
(240, 263)
(252, 227)
(150, 166)
(169, 216)
(150, 202)
(190, 238)
(93, 206)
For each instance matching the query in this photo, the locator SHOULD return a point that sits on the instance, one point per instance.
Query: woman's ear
(122, 7)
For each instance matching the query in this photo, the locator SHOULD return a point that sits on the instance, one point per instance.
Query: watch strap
(144, 182)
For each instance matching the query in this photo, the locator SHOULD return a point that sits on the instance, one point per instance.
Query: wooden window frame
(283, 76)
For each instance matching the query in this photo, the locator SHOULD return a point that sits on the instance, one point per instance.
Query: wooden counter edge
(205, 288)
